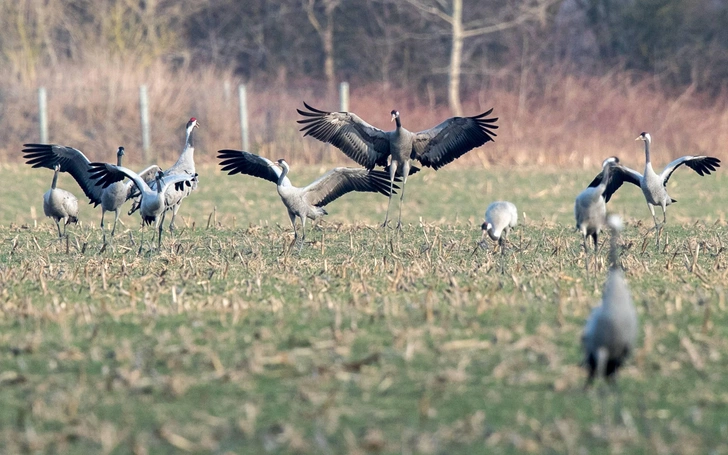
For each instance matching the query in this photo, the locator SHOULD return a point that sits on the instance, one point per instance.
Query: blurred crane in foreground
(611, 330)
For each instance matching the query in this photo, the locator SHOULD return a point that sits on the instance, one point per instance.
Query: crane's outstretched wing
(106, 173)
(360, 141)
(703, 165)
(452, 138)
(71, 160)
(178, 180)
(341, 180)
(617, 176)
(238, 162)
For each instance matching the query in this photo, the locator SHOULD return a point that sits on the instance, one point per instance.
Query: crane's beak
(197, 124)
(639, 138)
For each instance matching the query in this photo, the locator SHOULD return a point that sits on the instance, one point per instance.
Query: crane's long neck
(647, 153)
(190, 139)
(118, 159)
(284, 173)
(614, 250)
(55, 179)
(160, 183)
(605, 177)
(187, 157)
(398, 122)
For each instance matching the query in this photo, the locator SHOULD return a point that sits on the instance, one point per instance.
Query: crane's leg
(175, 208)
(652, 211)
(657, 225)
(292, 217)
(586, 251)
(103, 231)
(116, 219)
(595, 237)
(392, 173)
(502, 246)
(160, 228)
(65, 225)
(405, 173)
(661, 227)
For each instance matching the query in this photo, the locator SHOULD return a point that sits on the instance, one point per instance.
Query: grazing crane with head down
(611, 330)
(74, 162)
(152, 204)
(590, 210)
(60, 204)
(653, 185)
(500, 218)
(370, 146)
(309, 201)
(185, 165)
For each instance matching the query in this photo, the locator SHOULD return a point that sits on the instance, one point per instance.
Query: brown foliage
(557, 119)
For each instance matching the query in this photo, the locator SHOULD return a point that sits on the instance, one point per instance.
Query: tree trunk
(328, 41)
(456, 58)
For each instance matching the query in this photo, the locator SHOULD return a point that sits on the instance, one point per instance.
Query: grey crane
(500, 218)
(309, 201)
(185, 165)
(370, 146)
(60, 204)
(74, 162)
(152, 204)
(653, 185)
(611, 329)
(590, 210)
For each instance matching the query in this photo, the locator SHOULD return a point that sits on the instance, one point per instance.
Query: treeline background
(572, 81)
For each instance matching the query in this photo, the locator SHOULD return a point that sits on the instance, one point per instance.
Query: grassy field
(365, 341)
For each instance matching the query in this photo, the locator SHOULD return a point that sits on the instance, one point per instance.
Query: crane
(308, 201)
(653, 185)
(60, 204)
(611, 329)
(590, 210)
(185, 165)
(500, 218)
(74, 162)
(369, 146)
(152, 201)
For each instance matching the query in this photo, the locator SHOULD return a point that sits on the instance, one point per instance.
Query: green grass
(365, 340)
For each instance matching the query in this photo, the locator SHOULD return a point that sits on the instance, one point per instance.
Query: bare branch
(431, 10)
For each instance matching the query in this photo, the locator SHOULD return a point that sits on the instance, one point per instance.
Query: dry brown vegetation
(572, 121)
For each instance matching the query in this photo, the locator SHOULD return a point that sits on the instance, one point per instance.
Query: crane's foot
(399, 226)
(384, 225)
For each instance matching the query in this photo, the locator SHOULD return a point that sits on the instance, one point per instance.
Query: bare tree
(451, 12)
(325, 30)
